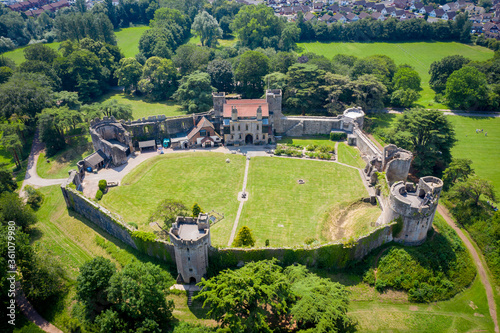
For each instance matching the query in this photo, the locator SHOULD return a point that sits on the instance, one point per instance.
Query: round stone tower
(413, 208)
(191, 239)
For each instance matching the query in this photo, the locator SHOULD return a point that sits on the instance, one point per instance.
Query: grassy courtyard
(420, 55)
(144, 109)
(285, 212)
(127, 39)
(350, 155)
(204, 178)
(65, 160)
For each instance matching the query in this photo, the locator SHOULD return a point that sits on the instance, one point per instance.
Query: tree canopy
(207, 28)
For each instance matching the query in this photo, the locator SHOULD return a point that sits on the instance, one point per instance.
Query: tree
(207, 29)
(404, 97)
(24, 94)
(440, 71)
(472, 189)
(221, 75)
(458, 171)
(5, 74)
(275, 80)
(167, 212)
(380, 66)
(253, 66)
(112, 108)
(406, 78)
(282, 61)
(12, 208)
(195, 92)
(68, 99)
(92, 284)
(12, 143)
(257, 26)
(129, 73)
(51, 132)
(196, 209)
(369, 92)
(244, 238)
(138, 293)
(254, 298)
(321, 304)
(40, 52)
(7, 182)
(190, 58)
(158, 78)
(429, 135)
(289, 37)
(305, 92)
(467, 88)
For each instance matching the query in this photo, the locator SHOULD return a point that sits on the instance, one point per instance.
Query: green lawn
(204, 178)
(18, 56)
(484, 151)
(60, 164)
(285, 212)
(144, 109)
(128, 40)
(222, 42)
(350, 155)
(420, 55)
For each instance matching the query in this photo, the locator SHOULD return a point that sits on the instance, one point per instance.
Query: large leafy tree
(253, 66)
(257, 26)
(429, 135)
(12, 208)
(406, 78)
(195, 92)
(129, 73)
(305, 88)
(244, 238)
(221, 75)
(207, 27)
(167, 211)
(40, 52)
(467, 88)
(7, 182)
(92, 285)
(472, 189)
(458, 171)
(440, 70)
(254, 298)
(158, 78)
(189, 58)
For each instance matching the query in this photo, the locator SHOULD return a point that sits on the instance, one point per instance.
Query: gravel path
(477, 260)
(240, 208)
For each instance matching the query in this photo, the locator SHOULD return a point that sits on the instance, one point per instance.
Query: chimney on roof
(259, 113)
(234, 113)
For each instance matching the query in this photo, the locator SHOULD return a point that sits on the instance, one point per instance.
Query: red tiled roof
(204, 122)
(246, 107)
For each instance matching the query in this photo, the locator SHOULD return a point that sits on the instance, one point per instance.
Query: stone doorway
(192, 280)
(249, 139)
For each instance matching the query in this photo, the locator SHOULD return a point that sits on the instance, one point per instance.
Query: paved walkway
(30, 313)
(242, 202)
(477, 260)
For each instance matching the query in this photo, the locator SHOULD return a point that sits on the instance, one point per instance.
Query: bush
(311, 154)
(267, 242)
(98, 195)
(102, 185)
(279, 151)
(144, 236)
(35, 197)
(324, 149)
(309, 240)
(338, 136)
(311, 147)
(325, 156)
(133, 224)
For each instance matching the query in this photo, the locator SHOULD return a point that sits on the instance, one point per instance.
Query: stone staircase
(190, 297)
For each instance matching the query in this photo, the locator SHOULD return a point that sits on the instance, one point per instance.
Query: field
(285, 212)
(141, 108)
(206, 179)
(127, 40)
(304, 141)
(484, 151)
(59, 165)
(419, 55)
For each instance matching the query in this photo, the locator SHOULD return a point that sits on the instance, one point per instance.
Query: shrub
(133, 224)
(144, 236)
(309, 240)
(311, 154)
(325, 156)
(324, 149)
(311, 147)
(102, 185)
(244, 238)
(267, 242)
(35, 197)
(338, 136)
(196, 210)
(369, 277)
(279, 151)
(98, 195)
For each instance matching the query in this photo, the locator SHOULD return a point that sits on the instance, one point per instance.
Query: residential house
(370, 5)
(391, 11)
(203, 134)
(401, 4)
(487, 17)
(490, 27)
(378, 16)
(339, 18)
(310, 17)
(477, 28)
(361, 3)
(325, 18)
(427, 10)
(352, 17)
(363, 15)
(417, 6)
(333, 8)
(381, 9)
(346, 10)
(449, 16)
(439, 12)
(318, 6)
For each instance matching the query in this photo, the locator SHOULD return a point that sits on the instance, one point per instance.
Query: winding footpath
(477, 260)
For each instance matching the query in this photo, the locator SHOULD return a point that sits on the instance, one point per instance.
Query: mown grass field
(305, 141)
(420, 55)
(484, 151)
(350, 155)
(59, 165)
(204, 178)
(127, 39)
(285, 212)
(141, 108)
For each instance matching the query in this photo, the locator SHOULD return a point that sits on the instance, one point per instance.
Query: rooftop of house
(246, 107)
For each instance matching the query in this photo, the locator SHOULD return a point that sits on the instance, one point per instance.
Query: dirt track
(479, 264)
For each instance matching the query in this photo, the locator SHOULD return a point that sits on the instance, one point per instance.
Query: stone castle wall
(365, 145)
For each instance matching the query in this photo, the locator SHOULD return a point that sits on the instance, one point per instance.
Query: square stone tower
(191, 239)
(274, 100)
